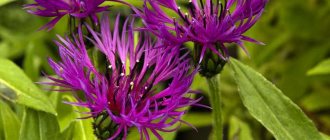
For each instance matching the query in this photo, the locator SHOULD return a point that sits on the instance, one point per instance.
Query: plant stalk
(215, 100)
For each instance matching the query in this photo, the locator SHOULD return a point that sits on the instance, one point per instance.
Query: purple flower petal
(151, 93)
(205, 23)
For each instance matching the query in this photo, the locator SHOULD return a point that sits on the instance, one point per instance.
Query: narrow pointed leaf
(27, 93)
(321, 68)
(284, 119)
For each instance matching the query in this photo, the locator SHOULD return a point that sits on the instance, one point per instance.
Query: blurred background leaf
(322, 68)
(3, 2)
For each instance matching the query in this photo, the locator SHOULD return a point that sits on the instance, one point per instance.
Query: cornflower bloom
(59, 8)
(210, 25)
(143, 84)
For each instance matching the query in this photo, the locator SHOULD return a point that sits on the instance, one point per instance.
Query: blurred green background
(297, 38)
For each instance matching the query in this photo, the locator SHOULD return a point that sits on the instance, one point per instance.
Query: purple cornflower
(208, 24)
(59, 8)
(143, 84)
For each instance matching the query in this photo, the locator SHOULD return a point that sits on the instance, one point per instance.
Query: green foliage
(10, 122)
(71, 127)
(322, 68)
(83, 129)
(197, 120)
(3, 2)
(134, 135)
(239, 129)
(17, 29)
(325, 137)
(37, 125)
(26, 92)
(316, 101)
(271, 107)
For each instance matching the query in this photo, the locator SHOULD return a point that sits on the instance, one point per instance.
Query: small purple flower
(208, 24)
(59, 8)
(143, 84)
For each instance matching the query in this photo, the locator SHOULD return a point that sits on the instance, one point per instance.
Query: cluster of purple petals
(59, 8)
(145, 84)
(129, 91)
(204, 22)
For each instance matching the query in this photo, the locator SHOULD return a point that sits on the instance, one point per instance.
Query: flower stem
(215, 99)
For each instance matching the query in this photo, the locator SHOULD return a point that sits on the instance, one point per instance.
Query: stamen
(110, 66)
(132, 85)
(61, 70)
(186, 17)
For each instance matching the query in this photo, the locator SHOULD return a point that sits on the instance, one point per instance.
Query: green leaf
(32, 61)
(321, 68)
(36, 54)
(27, 93)
(83, 129)
(38, 125)
(10, 122)
(239, 130)
(135, 135)
(316, 101)
(2, 135)
(71, 127)
(284, 119)
(136, 3)
(66, 115)
(325, 137)
(197, 120)
(67, 134)
(3, 2)
(200, 83)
